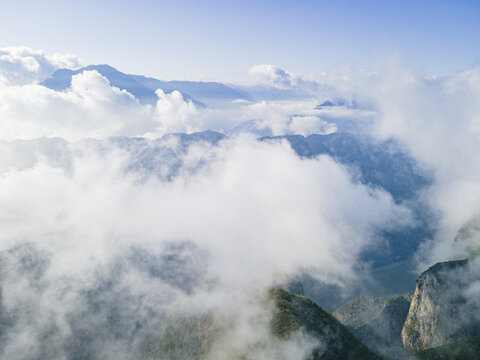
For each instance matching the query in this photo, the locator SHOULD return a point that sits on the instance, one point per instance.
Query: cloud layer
(436, 120)
(256, 212)
(22, 65)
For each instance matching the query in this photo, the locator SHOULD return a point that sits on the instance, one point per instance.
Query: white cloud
(437, 120)
(274, 75)
(277, 118)
(89, 108)
(263, 200)
(175, 114)
(307, 125)
(22, 65)
(93, 108)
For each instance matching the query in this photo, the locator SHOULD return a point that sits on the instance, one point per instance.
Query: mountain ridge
(143, 88)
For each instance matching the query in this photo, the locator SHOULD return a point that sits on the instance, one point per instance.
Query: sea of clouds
(254, 213)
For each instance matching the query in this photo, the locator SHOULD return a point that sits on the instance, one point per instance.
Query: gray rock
(441, 310)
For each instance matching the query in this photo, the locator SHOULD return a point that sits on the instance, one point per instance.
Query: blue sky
(222, 39)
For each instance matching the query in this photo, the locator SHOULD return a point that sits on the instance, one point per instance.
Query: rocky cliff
(438, 313)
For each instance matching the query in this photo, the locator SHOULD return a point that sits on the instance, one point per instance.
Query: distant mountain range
(200, 92)
(143, 88)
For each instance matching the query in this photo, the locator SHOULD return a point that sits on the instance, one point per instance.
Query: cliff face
(437, 312)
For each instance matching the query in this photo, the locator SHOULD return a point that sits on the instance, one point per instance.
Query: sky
(221, 40)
